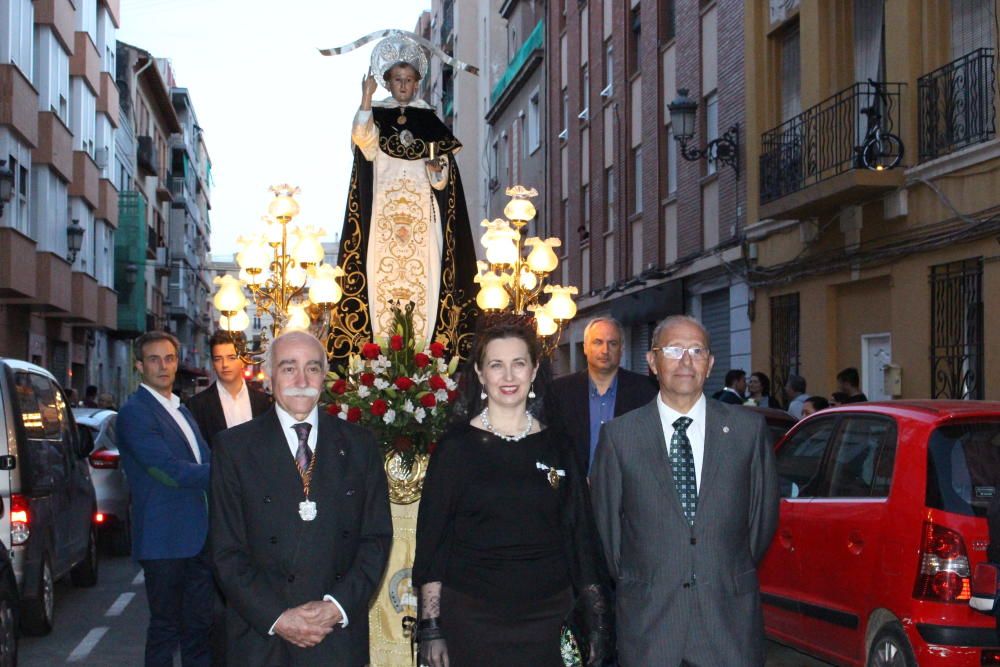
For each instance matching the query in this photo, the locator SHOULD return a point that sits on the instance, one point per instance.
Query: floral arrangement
(399, 388)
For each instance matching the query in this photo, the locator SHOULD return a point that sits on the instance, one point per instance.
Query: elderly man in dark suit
(604, 389)
(686, 499)
(166, 460)
(228, 401)
(300, 525)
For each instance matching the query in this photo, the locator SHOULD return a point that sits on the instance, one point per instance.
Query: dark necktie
(303, 455)
(682, 463)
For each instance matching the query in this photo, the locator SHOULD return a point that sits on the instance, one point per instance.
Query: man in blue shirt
(606, 390)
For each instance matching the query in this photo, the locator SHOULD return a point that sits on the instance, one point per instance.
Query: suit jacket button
(346, 533)
(291, 578)
(339, 576)
(687, 584)
(267, 499)
(273, 540)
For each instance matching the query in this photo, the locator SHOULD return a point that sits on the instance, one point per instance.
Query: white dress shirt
(695, 430)
(237, 409)
(173, 408)
(287, 421)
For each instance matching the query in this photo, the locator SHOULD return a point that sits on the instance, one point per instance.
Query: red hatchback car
(883, 518)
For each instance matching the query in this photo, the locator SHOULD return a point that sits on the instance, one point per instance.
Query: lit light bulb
(230, 297)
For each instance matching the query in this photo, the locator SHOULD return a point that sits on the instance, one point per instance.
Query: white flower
(408, 406)
(363, 391)
(419, 414)
(342, 415)
(389, 416)
(381, 384)
(451, 384)
(441, 395)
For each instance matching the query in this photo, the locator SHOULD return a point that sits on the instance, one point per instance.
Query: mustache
(305, 392)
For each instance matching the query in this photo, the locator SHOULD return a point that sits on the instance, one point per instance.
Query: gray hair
(673, 320)
(608, 320)
(269, 354)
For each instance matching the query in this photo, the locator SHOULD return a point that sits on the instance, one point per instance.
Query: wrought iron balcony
(825, 140)
(957, 104)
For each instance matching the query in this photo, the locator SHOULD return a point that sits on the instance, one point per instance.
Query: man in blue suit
(167, 464)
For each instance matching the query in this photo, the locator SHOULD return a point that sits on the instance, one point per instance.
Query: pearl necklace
(484, 416)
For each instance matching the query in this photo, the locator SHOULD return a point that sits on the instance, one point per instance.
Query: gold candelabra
(509, 281)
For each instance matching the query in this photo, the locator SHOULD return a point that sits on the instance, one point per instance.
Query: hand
(435, 165)
(296, 626)
(434, 653)
(368, 86)
(323, 612)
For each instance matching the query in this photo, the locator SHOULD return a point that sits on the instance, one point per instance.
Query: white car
(110, 484)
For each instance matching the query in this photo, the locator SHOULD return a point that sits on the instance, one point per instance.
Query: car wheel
(891, 648)
(121, 538)
(38, 613)
(84, 573)
(8, 632)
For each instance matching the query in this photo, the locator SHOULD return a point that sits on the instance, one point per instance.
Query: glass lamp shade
(682, 113)
(492, 295)
(542, 259)
(503, 247)
(272, 231)
(528, 280)
(298, 318)
(324, 288)
(229, 298)
(238, 322)
(544, 324)
(561, 305)
(296, 277)
(255, 256)
(283, 207)
(308, 249)
(519, 209)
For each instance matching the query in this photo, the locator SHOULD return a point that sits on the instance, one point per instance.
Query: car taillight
(99, 517)
(104, 458)
(19, 526)
(944, 566)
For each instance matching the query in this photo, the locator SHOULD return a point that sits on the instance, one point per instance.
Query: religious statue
(406, 235)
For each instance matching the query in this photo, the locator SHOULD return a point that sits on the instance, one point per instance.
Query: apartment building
(649, 229)
(875, 253)
(58, 120)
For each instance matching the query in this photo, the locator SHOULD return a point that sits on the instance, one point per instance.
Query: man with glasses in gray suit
(686, 499)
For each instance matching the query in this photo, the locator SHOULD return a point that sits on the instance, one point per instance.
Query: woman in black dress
(506, 542)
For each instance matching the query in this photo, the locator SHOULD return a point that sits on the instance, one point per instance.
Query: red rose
(339, 386)
(379, 407)
(396, 342)
(437, 349)
(421, 360)
(437, 382)
(354, 414)
(403, 383)
(428, 400)
(452, 395)
(371, 351)
(333, 409)
(367, 379)
(402, 443)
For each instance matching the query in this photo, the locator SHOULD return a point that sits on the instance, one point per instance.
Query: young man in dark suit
(167, 464)
(229, 401)
(602, 392)
(300, 523)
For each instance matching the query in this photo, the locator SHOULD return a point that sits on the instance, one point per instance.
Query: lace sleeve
(430, 600)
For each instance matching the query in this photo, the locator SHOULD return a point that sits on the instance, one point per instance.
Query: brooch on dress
(553, 474)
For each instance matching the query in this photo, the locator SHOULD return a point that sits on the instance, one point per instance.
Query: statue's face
(403, 83)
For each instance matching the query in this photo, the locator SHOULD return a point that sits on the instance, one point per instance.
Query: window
(864, 452)
(584, 93)
(667, 22)
(711, 127)
(17, 209)
(784, 341)
(798, 461)
(633, 41)
(534, 122)
(637, 178)
(585, 206)
(609, 193)
(972, 26)
(790, 84)
(18, 49)
(869, 40)
(671, 161)
(957, 347)
(565, 115)
(494, 182)
(963, 466)
(566, 230)
(609, 70)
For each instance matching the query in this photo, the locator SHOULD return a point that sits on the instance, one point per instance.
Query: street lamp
(724, 150)
(74, 240)
(6, 184)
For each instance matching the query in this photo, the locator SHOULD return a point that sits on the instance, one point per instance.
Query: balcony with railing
(816, 160)
(957, 104)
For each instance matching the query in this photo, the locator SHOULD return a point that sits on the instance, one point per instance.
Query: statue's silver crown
(395, 49)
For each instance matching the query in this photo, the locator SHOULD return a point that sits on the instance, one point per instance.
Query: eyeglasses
(677, 352)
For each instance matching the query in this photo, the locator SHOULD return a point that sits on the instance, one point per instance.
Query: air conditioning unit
(608, 90)
(584, 115)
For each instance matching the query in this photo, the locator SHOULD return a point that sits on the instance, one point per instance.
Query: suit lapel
(215, 409)
(165, 418)
(655, 444)
(716, 435)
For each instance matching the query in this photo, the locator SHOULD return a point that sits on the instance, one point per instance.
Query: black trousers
(181, 595)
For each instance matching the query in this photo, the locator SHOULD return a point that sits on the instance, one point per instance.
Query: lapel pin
(725, 429)
(342, 453)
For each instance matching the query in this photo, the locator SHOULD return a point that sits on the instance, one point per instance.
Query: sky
(272, 108)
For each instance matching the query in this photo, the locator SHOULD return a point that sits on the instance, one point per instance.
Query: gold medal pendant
(554, 478)
(401, 120)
